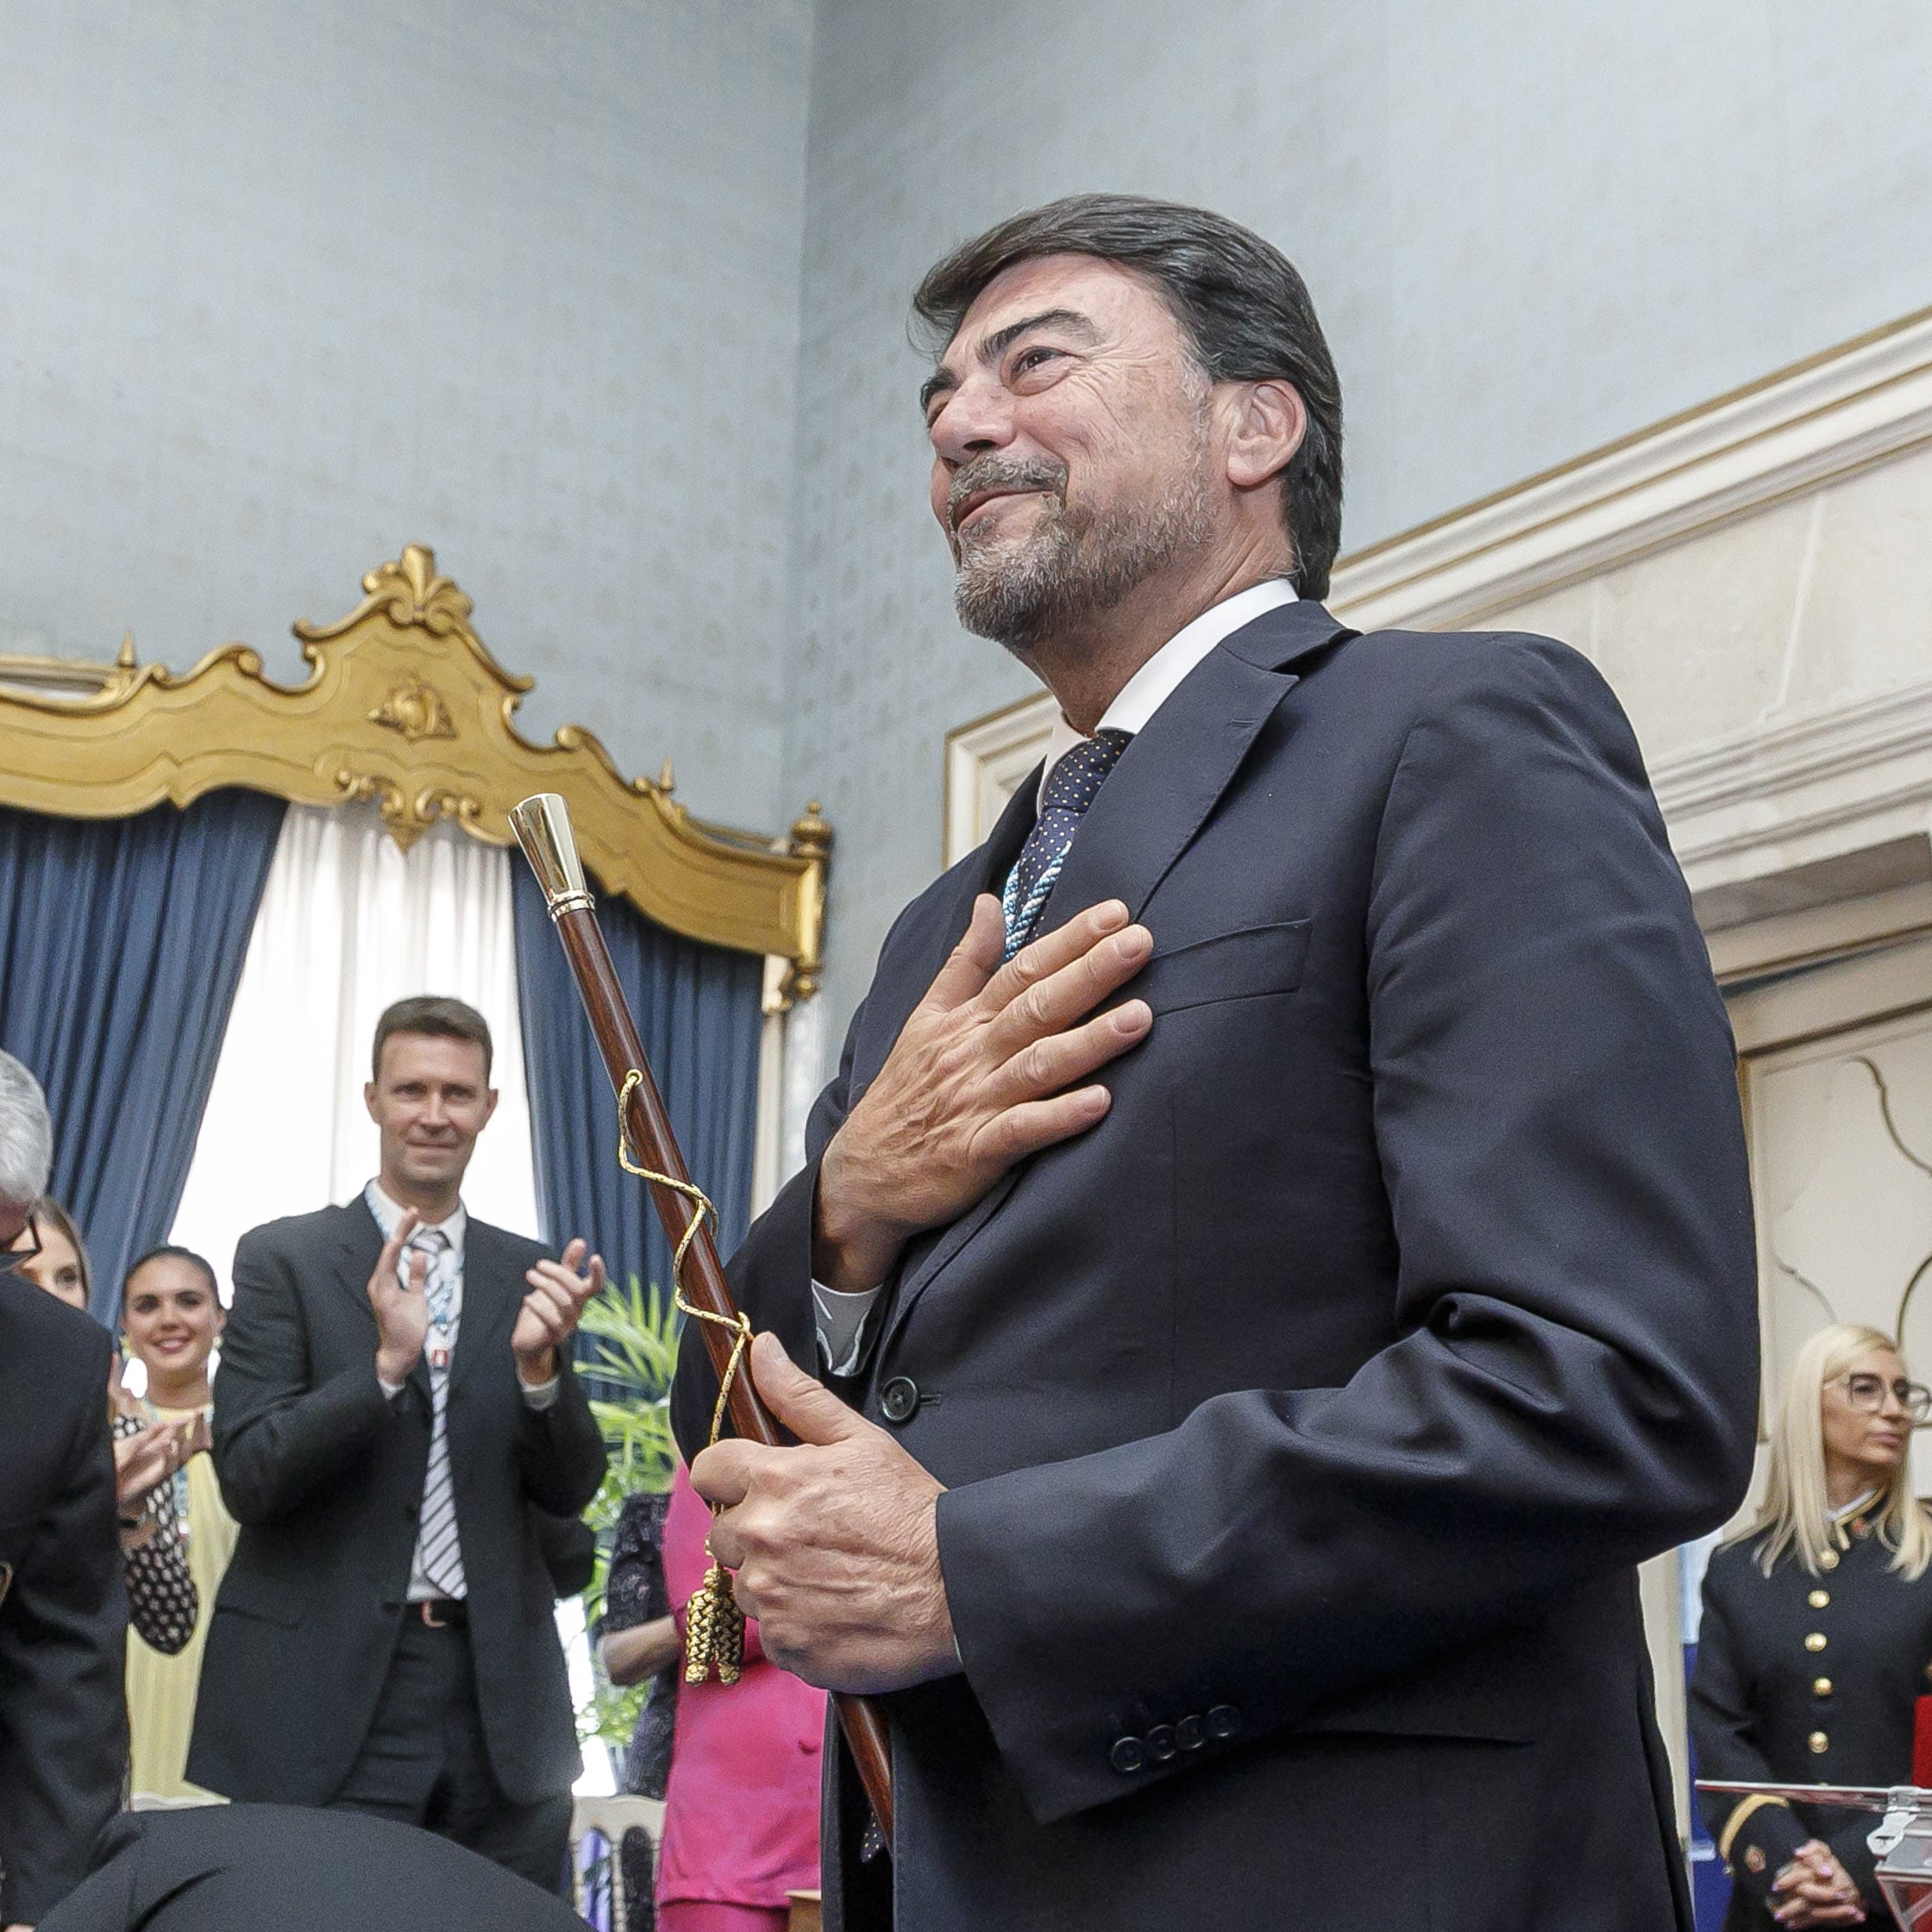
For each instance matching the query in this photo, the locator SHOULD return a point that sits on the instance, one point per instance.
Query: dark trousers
(425, 1762)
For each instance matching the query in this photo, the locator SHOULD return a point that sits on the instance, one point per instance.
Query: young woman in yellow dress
(171, 1316)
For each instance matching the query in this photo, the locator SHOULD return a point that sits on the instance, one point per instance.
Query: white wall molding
(1821, 419)
(984, 760)
(1798, 779)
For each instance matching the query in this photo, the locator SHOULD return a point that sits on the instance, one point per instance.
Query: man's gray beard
(1074, 567)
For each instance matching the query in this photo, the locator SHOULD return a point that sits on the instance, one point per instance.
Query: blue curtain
(121, 945)
(698, 1008)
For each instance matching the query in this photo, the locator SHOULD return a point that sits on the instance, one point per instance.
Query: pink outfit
(702, 1915)
(741, 1818)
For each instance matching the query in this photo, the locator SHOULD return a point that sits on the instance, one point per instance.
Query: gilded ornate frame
(404, 705)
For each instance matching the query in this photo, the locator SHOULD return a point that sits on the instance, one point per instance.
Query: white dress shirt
(840, 1318)
(388, 1212)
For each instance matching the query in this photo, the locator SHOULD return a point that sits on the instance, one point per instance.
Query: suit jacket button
(1189, 1733)
(1161, 1745)
(1127, 1756)
(900, 1399)
(1224, 1721)
(1819, 1743)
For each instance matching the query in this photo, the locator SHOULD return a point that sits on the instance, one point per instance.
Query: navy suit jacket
(325, 1474)
(1302, 1422)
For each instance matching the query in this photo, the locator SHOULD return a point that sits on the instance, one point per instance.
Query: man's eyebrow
(1000, 341)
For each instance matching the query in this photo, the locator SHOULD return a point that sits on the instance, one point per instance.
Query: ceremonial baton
(543, 828)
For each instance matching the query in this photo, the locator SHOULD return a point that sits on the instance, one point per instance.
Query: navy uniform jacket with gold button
(1302, 1422)
(1806, 1679)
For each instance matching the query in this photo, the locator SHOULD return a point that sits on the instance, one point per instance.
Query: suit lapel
(1148, 811)
(492, 1293)
(1171, 777)
(984, 870)
(357, 1248)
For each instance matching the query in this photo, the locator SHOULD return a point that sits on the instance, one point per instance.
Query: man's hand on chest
(983, 1074)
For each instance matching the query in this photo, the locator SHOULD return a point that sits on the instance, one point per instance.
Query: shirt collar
(1157, 680)
(388, 1212)
(1856, 1507)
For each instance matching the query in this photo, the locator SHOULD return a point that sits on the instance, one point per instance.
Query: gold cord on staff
(714, 1625)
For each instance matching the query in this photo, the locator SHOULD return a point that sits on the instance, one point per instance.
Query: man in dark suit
(1281, 1211)
(395, 1417)
(63, 1608)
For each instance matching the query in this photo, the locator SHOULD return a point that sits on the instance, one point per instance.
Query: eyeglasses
(1867, 1393)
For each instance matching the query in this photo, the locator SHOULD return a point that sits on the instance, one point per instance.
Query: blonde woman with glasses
(1817, 1636)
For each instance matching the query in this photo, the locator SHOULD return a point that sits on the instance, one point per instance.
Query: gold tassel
(714, 1631)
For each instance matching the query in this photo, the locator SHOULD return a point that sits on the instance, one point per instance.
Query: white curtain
(348, 924)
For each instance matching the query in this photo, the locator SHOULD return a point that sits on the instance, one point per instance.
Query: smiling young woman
(1816, 1639)
(171, 1315)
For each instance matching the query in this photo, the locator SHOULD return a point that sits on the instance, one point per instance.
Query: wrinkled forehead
(1111, 303)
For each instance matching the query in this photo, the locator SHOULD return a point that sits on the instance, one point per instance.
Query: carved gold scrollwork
(402, 704)
(415, 710)
(408, 592)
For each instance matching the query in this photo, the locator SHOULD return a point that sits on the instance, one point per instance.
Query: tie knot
(1073, 783)
(431, 1240)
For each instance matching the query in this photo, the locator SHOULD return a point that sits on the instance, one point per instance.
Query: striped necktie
(1071, 786)
(439, 1553)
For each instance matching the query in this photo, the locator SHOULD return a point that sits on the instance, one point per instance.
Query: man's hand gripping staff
(649, 1147)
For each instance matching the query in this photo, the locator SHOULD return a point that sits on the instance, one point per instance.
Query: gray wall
(284, 287)
(1528, 230)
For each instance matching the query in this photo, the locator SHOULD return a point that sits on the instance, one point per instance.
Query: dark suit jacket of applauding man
(1317, 1268)
(63, 1608)
(396, 1413)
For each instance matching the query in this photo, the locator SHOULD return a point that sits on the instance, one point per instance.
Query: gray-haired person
(63, 1612)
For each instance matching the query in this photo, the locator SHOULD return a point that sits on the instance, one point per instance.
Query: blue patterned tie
(1071, 786)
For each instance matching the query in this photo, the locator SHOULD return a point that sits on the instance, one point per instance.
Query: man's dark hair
(1238, 297)
(440, 1017)
(168, 1251)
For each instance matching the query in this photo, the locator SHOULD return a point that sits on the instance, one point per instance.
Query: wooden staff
(543, 828)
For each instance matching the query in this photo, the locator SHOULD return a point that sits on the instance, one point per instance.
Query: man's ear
(489, 1106)
(369, 1100)
(1270, 420)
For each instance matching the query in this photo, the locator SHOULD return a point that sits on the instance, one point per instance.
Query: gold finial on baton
(543, 827)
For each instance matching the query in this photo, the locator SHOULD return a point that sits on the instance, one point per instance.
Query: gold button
(1827, 1559)
(1818, 1599)
(1821, 1687)
(1819, 1742)
(1815, 1642)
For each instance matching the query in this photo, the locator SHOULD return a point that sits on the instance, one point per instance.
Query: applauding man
(395, 1416)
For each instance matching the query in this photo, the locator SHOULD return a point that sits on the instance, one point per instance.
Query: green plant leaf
(635, 1331)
